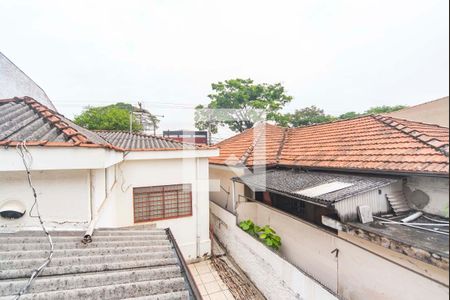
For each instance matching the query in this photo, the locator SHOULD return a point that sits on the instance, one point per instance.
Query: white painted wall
(275, 277)
(191, 233)
(306, 246)
(220, 176)
(103, 178)
(63, 197)
(60, 158)
(437, 190)
(356, 274)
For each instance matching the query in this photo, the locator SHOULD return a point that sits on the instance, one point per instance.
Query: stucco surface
(356, 273)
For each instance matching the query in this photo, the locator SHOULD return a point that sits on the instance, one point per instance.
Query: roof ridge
(416, 122)
(282, 143)
(65, 128)
(330, 122)
(243, 159)
(441, 146)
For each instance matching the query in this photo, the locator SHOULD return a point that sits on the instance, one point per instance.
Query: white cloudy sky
(342, 56)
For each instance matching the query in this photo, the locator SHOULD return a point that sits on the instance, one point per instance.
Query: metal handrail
(193, 289)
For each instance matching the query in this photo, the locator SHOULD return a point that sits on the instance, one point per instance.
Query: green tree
(308, 116)
(349, 115)
(384, 109)
(245, 101)
(111, 117)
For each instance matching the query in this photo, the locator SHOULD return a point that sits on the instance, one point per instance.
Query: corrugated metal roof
(291, 181)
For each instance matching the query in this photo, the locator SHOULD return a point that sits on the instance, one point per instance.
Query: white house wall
(191, 233)
(429, 194)
(377, 201)
(63, 197)
(220, 177)
(355, 274)
(60, 158)
(275, 277)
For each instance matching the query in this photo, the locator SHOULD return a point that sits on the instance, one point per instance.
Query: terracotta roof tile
(25, 119)
(367, 143)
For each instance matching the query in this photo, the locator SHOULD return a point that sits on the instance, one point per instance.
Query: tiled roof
(292, 182)
(117, 264)
(143, 142)
(240, 149)
(370, 143)
(25, 119)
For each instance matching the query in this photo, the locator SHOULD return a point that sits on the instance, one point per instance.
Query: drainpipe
(91, 202)
(233, 196)
(197, 241)
(87, 238)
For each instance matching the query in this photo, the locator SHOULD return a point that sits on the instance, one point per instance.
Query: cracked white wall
(63, 197)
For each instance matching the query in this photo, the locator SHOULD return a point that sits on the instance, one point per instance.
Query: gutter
(194, 293)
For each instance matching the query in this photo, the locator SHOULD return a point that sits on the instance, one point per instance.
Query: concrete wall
(307, 247)
(356, 274)
(433, 112)
(429, 194)
(15, 83)
(220, 176)
(63, 197)
(274, 276)
(191, 233)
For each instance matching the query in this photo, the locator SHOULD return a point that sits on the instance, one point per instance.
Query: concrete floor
(210, 285)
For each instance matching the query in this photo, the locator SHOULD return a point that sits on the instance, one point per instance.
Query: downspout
(91, 202)
(233, 196)
(87, 238)
(197, 244)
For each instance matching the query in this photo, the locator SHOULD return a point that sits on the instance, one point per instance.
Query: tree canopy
(111, 117)
(308, 116)
(244, 102)
(314, 115)
(384, 109)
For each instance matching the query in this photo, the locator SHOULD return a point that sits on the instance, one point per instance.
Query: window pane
(162, 202)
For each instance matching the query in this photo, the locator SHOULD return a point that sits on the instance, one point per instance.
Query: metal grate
(162, 202)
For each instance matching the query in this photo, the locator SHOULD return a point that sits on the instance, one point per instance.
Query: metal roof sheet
(291, 181)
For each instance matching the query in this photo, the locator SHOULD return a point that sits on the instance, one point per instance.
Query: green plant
(270, 238)
(267, 234)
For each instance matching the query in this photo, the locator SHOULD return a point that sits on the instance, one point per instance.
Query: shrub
(266, 234)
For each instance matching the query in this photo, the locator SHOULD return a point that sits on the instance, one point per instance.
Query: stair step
(108, 232)
(74, 269)
(14, 255)
(79, 245)
(49, 283)
(84, 260)
(184, 295)
(68, 239)
(117, 291)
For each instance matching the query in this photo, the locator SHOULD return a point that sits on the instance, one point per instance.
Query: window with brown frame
(162, 202)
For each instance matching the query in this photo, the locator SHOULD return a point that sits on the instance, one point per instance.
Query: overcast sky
(338, 55)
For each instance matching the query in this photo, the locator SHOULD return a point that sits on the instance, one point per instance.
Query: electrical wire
(27, 160)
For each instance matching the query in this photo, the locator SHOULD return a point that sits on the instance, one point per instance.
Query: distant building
(15, 83)
(432, 112)
(187, 136)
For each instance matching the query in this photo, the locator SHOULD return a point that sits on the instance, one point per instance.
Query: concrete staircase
(118, 264)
